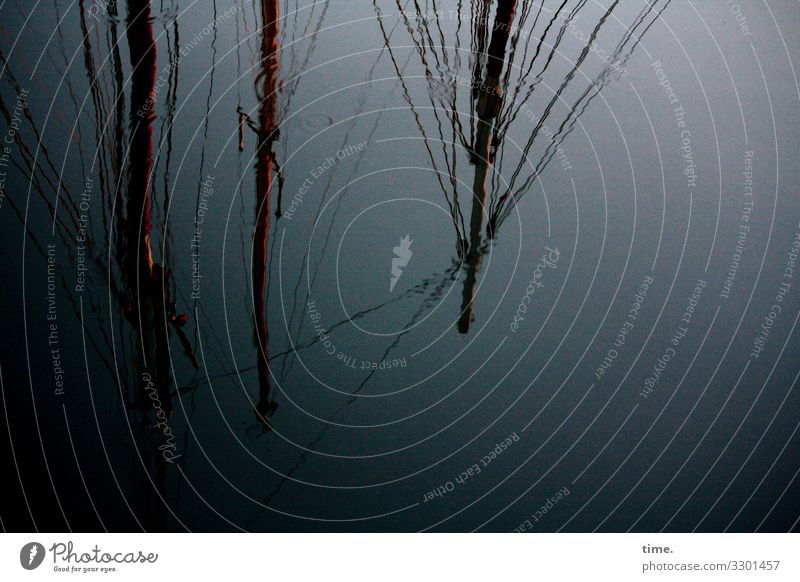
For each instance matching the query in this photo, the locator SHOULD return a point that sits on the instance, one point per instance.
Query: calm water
(494, 265)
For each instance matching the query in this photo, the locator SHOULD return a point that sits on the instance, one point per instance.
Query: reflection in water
(487, 101)
(489, 120)
(501, 63)
(491, 113)
(266, 132)
(145, 285)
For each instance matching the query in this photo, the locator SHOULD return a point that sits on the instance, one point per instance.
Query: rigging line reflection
(581, 104)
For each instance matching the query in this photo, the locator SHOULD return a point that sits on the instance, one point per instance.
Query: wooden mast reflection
(143, 280)
(489, 102)
(266, 131)
(136, 255)
(145, 283)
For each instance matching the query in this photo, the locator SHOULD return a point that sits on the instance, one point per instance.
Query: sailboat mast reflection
(508, 63)
(490, 95)
(266, 133)
(143, 281)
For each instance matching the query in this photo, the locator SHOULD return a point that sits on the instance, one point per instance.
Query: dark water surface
(378, 265)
